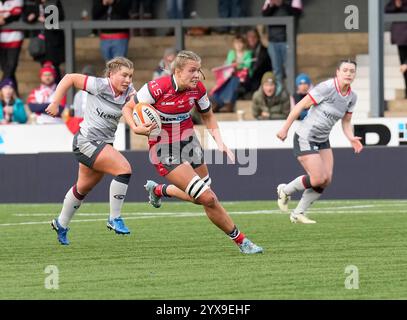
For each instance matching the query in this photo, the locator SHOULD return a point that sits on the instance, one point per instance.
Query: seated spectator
(75, 116)
(113, 42)
(11, 107)
(164, 67)
(271, 101)
(261, 64)
(224, 95)
(54, 40)
(303, 85)
(39, 98)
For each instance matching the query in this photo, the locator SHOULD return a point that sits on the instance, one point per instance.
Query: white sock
(294, 186)
(118, 192)
(307, 199)
(70, 206)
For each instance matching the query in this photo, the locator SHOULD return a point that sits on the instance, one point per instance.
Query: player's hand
(356, 144)
(282, 134)
(52, 109)
(224, 148)
(145, 129)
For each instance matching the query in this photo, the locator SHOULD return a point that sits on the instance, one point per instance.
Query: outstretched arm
(305, 103)
(209, 120)
(70, 80)
(348, 131)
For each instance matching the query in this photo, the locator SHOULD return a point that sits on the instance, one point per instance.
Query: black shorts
(302, 146)
(166, 157)
(86, 150)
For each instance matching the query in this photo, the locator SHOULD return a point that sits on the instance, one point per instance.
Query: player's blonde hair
(116, 63)
(182, 58)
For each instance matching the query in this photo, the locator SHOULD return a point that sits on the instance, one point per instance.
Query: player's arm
(69, 80)
(348, 131)
(305, 103)
(127, 113)
(211, 123)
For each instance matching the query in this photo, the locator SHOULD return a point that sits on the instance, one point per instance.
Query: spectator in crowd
(229, 9)
(39, 98)
(34, 11)
(399, 35)
(303, 85)
(224, 97)
(271, 101)
(113, 42)
(10, 40)
(277, 48)
(175, 10)
(11, 107)
(261, 64)
(164, 67)
(142, 9)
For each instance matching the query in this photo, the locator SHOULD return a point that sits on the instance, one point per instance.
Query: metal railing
(179, 27)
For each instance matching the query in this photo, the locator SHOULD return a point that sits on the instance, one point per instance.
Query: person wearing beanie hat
(303, 85)
(40, 97)
(271, 101)
(11, 107)
(302, 78)
(328, 102)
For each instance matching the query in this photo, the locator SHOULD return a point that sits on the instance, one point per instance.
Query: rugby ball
(144, 113)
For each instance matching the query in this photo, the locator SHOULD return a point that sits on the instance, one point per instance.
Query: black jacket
(398, 29)
(54, 39)
(119, 10)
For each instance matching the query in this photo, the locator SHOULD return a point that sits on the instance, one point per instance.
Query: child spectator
(39, 98)
(271, 101)
(224, 95)
(303, 85)
(11, 107)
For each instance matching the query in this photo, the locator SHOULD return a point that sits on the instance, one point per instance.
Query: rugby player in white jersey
(93, 144)
(330, 101)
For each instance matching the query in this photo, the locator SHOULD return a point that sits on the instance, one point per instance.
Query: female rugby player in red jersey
(176, 152)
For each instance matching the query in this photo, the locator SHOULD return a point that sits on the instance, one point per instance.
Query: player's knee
(319, 180)
(208, 199)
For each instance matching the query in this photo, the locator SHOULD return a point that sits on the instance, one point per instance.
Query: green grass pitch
(175, 253)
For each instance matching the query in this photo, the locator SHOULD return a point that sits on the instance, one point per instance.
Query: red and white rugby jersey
(173, 106)
(11, 38)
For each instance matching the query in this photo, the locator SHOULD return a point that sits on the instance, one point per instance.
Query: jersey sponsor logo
(174, 118)
(105, 115)
(330, 116)
(191, 102)
(168, 103)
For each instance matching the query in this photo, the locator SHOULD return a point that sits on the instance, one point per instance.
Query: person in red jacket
(176, 152)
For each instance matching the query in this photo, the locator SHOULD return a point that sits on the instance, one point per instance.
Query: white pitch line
(149, 215)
